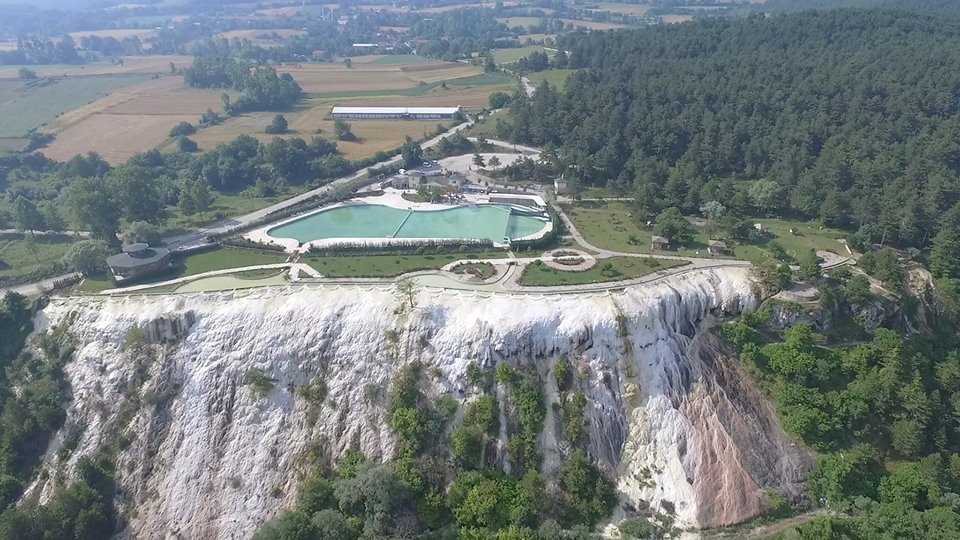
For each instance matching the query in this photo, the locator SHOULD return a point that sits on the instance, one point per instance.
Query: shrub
(258, 381)
(277, 126)
(88, 257)
(182, 129)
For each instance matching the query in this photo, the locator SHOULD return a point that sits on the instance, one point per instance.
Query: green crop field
(509, 56)
(521, 22)
(23, 109)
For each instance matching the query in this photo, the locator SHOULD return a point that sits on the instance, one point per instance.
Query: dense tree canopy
(849, 116)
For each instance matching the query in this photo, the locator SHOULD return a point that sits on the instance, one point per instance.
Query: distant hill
(926, 6)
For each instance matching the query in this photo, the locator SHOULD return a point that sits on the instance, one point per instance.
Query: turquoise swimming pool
(491, 222)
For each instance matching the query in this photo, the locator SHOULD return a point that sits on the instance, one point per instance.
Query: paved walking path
(37, 288)
(194, 277)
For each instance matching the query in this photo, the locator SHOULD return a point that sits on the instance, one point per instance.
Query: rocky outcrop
(670, 417)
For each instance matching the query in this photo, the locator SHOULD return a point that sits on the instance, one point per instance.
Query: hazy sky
(61, 4)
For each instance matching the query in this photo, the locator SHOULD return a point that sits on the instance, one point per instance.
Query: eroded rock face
(669, 415)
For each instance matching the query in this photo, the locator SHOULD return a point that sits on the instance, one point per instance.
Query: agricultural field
(536, 38)
(400, 59)
(278, 13)
(118, 116)
(374, 135)
(591, 25)
(144, 34)
(509, 56)
(27, 107)
(273, 37)
(130, 120)
(368, 75)
(132, 65)
(520, 22)
(311, 116)
(635, 10)
(438, 9)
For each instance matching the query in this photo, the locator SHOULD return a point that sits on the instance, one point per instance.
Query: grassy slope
(612, 269)
(610, 226)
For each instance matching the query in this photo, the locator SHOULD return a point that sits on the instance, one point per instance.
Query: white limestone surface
(207, 458)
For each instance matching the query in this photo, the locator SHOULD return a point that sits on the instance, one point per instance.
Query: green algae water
(490, 222)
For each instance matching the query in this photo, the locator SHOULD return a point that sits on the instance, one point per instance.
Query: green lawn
(492, 80)
(25, 256)
(25, 108)
(609, 225)
(805, 236)
(228, 257)
(612, 269)
(556, 77)
(389, 265)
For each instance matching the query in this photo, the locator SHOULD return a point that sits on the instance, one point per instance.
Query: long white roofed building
(394, 113)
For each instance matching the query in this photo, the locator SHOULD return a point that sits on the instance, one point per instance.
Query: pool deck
(392, 198)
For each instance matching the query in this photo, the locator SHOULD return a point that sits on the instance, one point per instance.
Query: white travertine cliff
(670, 417)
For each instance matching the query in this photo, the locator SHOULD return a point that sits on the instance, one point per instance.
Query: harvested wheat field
(130, 120)
(374, 135)
(119, 33)
(115, 137)
(147, 65)
(278, 13)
